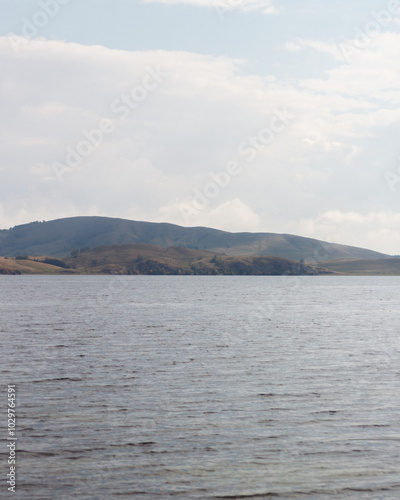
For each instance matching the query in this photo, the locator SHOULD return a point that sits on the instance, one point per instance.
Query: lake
(202, 387)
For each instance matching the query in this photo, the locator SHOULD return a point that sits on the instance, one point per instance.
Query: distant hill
(28, 266)
(60, 237)
(149, 259)
(363, 267)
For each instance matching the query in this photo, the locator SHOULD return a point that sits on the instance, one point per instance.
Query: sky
(244, 115)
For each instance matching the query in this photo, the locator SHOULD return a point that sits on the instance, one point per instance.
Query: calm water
(203, 387)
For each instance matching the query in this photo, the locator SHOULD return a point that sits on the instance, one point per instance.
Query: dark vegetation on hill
(59, 238)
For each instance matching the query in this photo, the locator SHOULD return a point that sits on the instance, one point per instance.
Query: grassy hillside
(365, 267)
(28, 266)
(60, 237)
(149, 259)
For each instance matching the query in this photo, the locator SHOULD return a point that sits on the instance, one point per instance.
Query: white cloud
(232, 215)
(331, 49)
(331, 158)
(378, 230)
(265, 6)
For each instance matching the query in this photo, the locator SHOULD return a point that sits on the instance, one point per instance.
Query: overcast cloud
(264, 6)
(197, 137)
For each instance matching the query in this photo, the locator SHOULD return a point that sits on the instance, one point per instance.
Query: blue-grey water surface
(189, 387)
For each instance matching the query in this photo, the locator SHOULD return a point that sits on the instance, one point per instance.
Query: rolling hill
(29, 266)
(60, 237)
(149, 259)
(366, 267)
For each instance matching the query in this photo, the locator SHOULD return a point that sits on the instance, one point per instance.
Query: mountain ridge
(60, 237)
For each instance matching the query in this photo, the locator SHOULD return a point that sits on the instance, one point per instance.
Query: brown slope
(28, 266)
(388, 266)
(149, 259)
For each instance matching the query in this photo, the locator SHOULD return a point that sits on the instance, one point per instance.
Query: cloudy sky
(244, 115)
